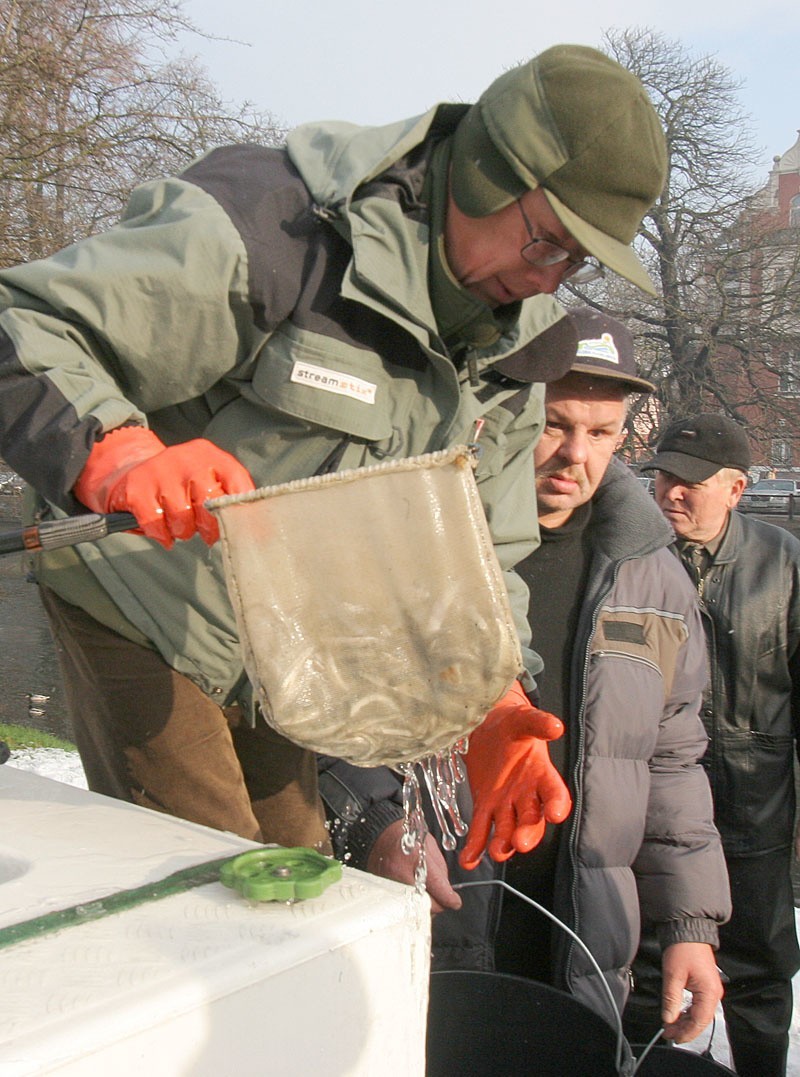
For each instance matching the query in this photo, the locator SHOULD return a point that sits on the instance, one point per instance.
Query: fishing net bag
(373, 617)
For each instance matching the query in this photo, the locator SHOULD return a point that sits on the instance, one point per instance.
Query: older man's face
(584, 417)
(698, 511)
(484, 252)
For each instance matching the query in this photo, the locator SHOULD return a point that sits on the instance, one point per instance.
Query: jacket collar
(626, 520)
(732, 539)
(336, 158)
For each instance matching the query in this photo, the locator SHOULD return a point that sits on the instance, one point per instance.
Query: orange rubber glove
(131, 470)
(515, 787)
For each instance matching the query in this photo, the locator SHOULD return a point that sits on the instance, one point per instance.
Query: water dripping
(442, 773)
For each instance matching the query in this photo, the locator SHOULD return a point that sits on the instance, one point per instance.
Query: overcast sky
(373, 61)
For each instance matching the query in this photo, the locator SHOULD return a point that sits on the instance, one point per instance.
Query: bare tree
(725, 277)
(89, 106)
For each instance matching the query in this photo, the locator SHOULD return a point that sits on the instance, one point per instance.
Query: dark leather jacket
(750, 604)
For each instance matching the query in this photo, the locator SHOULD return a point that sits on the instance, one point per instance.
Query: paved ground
(30, 683)
(783, 521)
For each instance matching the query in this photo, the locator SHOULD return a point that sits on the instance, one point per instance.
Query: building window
(789, 384)
(794, 212)
(780, 452)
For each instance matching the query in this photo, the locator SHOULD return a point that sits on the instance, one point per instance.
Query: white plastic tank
(200, 983)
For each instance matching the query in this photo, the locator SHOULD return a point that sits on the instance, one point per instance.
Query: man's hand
(131, 470)
(515, 787)
(689, 966)
(388, 860)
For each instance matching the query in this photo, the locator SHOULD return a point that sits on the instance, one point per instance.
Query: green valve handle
(280, 874)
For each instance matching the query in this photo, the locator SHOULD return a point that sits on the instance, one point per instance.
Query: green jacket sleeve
(149, 314)
(508, 491)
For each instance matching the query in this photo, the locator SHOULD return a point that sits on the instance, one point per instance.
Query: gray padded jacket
(640, 838)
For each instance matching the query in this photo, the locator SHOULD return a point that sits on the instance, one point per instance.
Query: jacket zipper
(577, 806)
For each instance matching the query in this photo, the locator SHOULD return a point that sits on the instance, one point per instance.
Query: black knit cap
(694, 449)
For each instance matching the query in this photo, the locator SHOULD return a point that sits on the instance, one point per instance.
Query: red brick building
(763, 372)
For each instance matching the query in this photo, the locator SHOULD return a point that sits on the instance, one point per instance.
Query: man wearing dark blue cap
(747, 576)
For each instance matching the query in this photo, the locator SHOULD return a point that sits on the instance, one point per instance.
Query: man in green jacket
(362, 294)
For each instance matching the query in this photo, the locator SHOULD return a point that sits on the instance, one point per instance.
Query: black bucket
(487, 1024)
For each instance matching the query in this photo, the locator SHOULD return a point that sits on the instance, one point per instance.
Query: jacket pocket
(752, 783)
(326, 382)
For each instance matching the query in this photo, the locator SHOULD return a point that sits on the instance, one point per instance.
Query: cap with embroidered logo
(605, 349)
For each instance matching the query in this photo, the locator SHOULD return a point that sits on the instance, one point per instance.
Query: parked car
(771, 495)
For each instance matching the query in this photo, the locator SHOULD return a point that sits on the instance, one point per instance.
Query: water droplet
(442, 774)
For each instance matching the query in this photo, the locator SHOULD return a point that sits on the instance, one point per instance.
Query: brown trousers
(149, 735)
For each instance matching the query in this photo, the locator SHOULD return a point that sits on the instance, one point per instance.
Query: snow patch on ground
(55, 763)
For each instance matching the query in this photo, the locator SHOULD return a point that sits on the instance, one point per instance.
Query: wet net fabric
(374, 619)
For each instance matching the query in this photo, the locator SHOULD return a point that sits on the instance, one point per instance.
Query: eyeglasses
(542, 252)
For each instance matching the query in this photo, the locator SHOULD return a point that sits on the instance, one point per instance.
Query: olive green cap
(578, 124)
